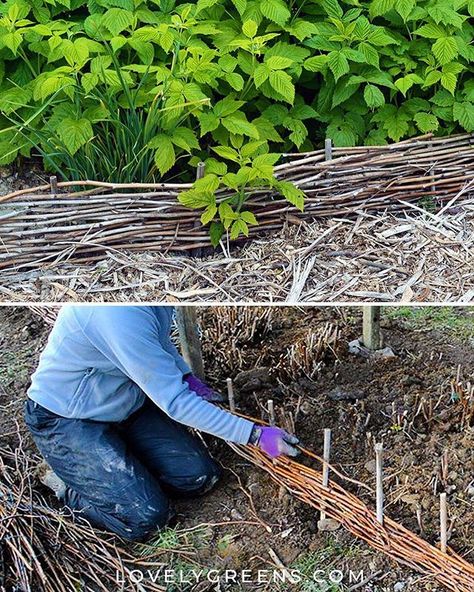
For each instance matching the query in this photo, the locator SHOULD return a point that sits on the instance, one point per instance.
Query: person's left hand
(202, 390)
(274, 441)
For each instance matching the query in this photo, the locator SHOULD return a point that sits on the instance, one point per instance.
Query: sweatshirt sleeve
(129, 337)
(170, 347)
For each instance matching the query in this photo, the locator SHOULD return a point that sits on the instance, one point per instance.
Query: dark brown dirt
(425, 365)
(363, 401)
(22, 338)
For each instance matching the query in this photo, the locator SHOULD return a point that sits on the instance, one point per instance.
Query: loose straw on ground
(44, 550)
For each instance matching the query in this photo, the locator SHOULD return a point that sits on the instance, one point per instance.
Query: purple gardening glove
(274, 441)
(202, 390)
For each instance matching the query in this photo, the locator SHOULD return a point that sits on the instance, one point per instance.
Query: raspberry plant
(140, 90)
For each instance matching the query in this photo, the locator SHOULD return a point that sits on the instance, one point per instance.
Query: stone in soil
(328, 525)
(252, 380)
(342, 394)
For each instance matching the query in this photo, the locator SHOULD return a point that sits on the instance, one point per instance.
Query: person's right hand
(274, 441)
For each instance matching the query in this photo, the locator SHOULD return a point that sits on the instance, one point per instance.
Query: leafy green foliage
(140, 90)
(254, 169)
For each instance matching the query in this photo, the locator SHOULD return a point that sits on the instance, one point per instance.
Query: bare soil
(405, 401)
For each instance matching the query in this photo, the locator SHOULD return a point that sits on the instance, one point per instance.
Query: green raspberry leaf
(184, 138)
(216, 232)
(249, 218)
(282, 83)
(239, 227)
(338, 64)
(316, 63)
(445, 50)
(373, 96)
(208, 214)
(431, 31)
(165, 155)
(464, 114)
(75, 133)
(291, 193)
(117, 20)
(275, 10)
(249, 28)
(426, 122)
(237, 123)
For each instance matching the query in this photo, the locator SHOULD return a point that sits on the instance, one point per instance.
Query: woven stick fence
(57, 222)
(391, 538)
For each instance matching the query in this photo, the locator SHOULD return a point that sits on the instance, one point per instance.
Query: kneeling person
(109, 406)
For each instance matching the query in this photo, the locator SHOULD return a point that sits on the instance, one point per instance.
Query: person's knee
(146, 520)
(210, 476)
(205, 474)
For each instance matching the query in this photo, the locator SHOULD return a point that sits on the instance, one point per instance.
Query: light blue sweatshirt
(101, 362)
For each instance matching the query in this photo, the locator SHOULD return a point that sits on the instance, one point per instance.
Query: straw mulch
(44, 550)
(415, 256)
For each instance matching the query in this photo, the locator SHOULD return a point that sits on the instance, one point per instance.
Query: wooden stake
(328, 149)
(230, 393)
(445, 467)
(326, 457)
(433, 169)
(53, 181)
(200, 171)
(419, 519)
(271, 412)
(186, 320)
(371, 336)
(379, 481)
(443, 518)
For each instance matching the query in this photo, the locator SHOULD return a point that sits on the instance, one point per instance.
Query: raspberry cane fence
(82, 220)
(391, 538)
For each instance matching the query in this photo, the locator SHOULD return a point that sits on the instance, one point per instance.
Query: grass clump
(457, 321)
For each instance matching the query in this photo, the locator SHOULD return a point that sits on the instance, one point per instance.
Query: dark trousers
(119, 475)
